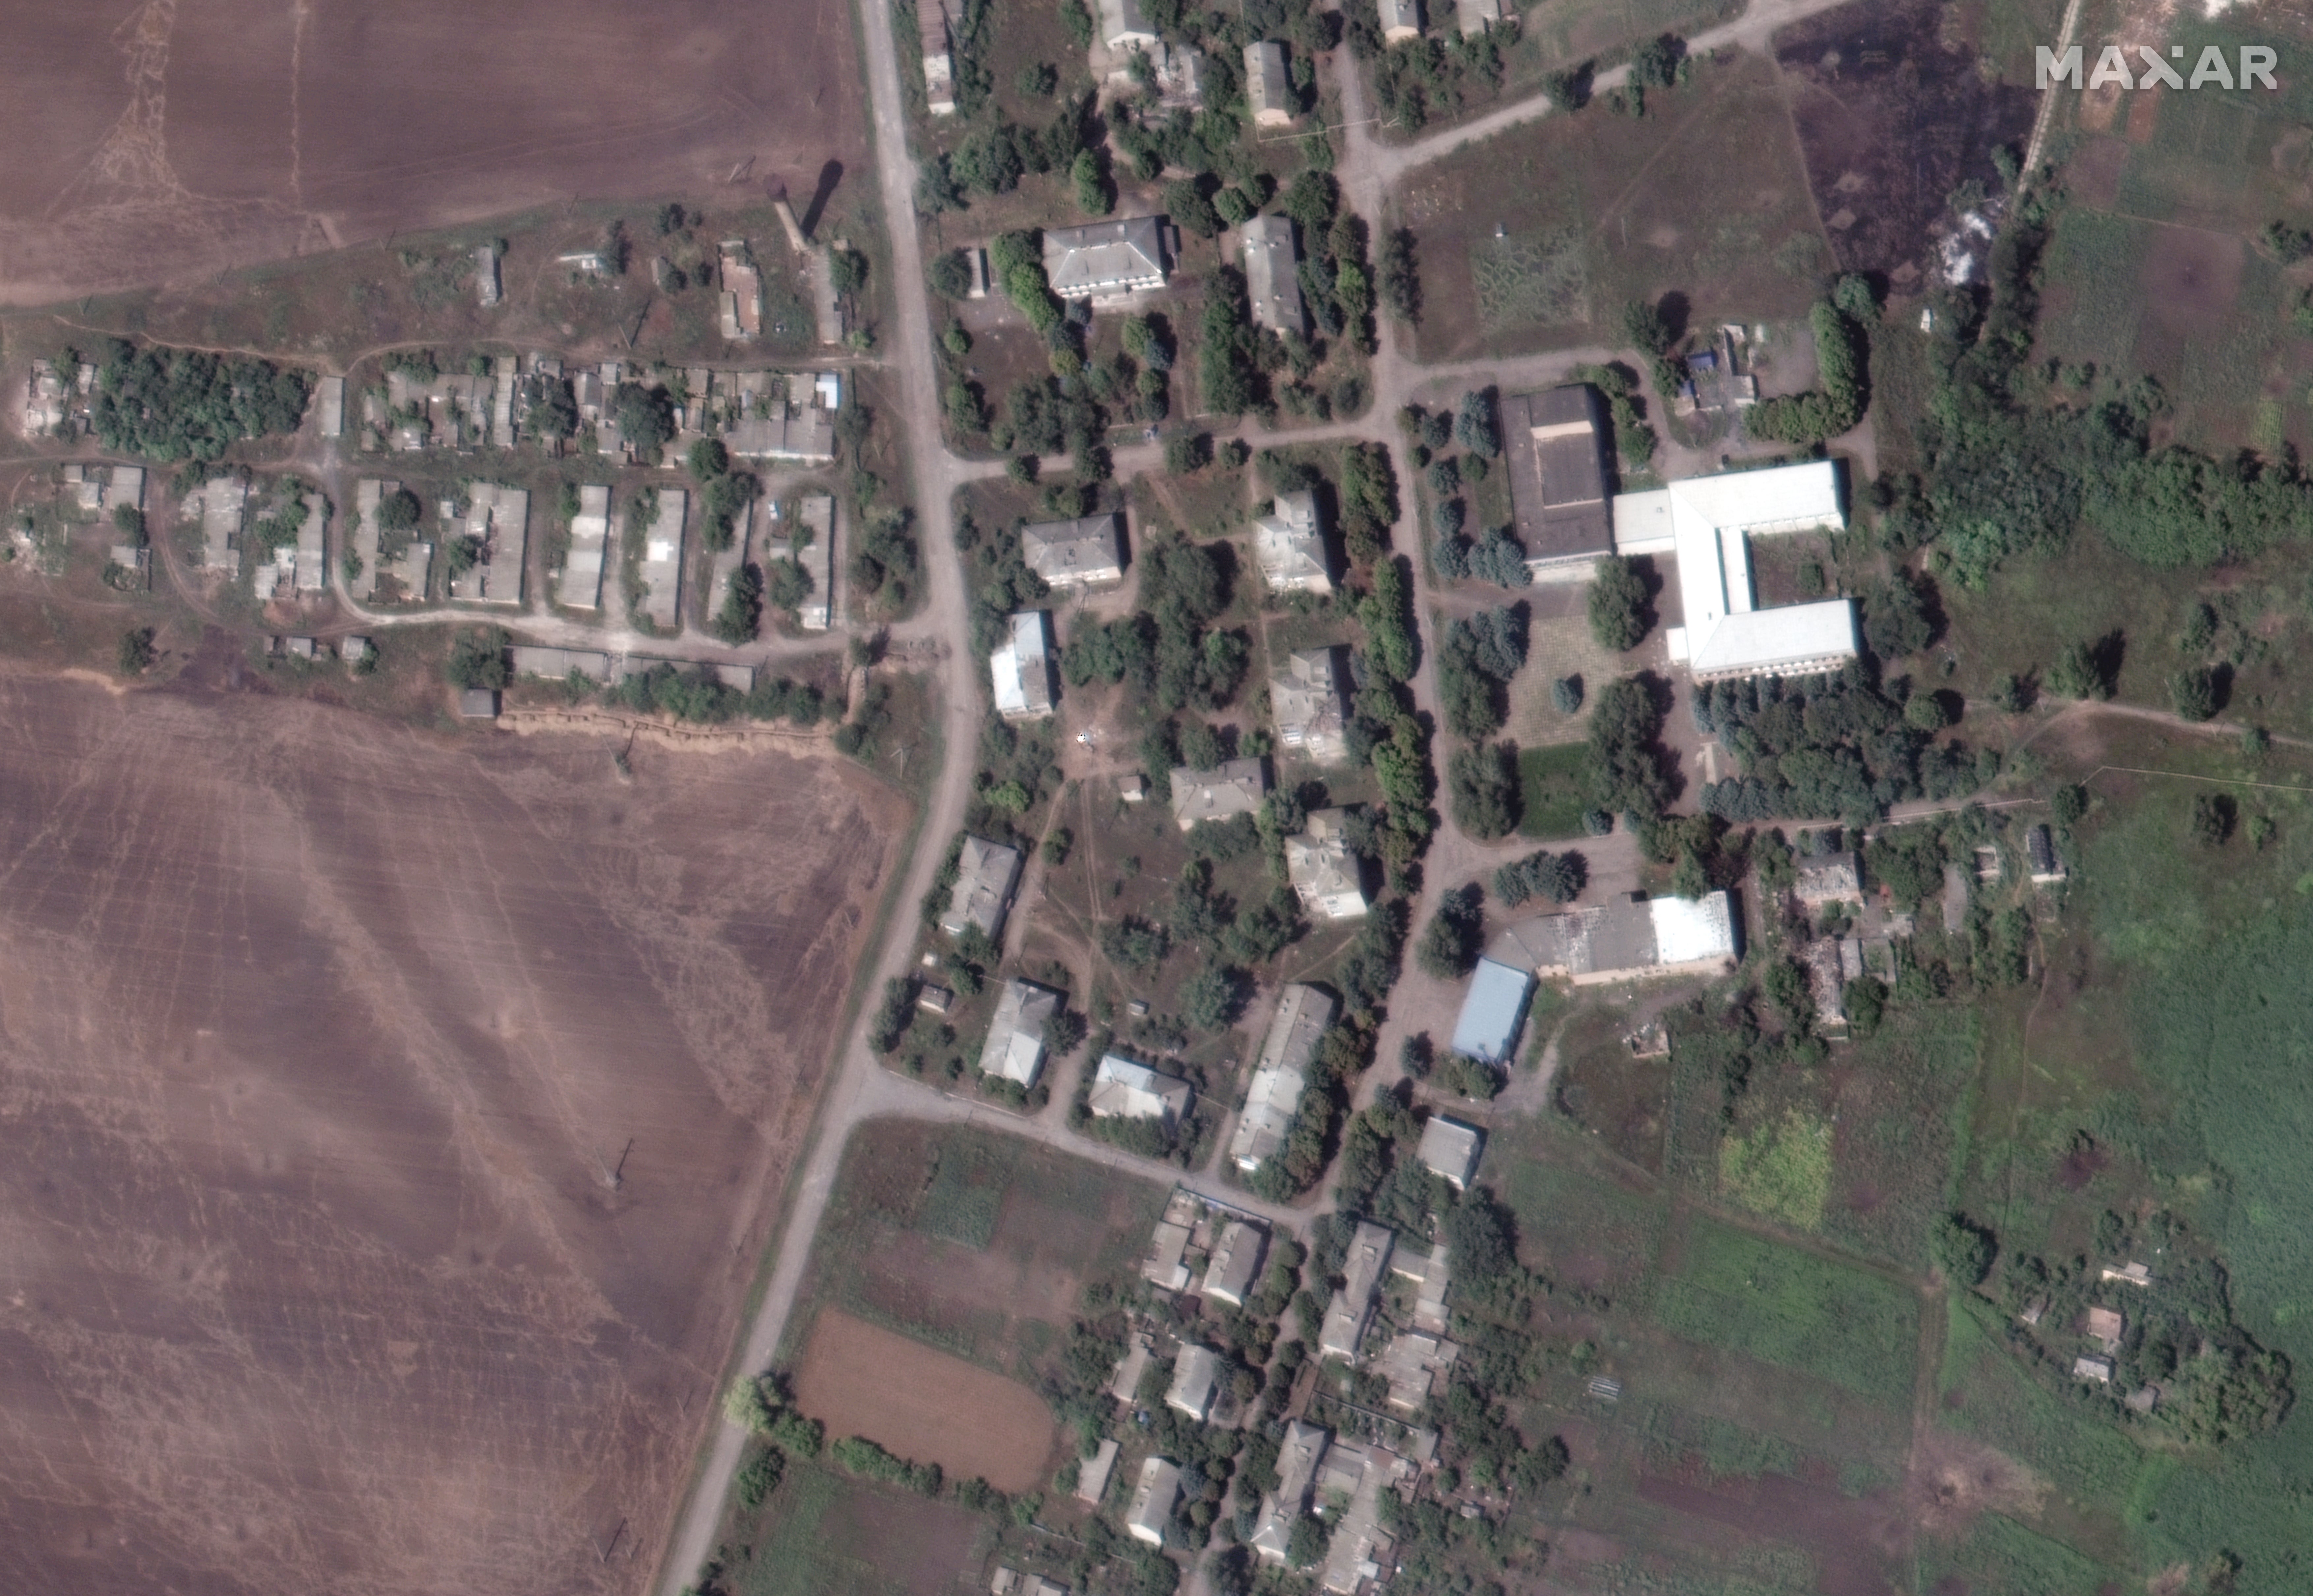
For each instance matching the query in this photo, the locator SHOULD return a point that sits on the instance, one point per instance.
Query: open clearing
(156, 142)
(316, 1038)
(918, 1402)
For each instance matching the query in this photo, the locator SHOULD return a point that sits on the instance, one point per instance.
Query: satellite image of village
(1115, 797)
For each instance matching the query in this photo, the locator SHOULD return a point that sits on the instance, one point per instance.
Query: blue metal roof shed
(1492, 1010)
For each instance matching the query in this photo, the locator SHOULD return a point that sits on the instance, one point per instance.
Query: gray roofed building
(1014, 1048)
(1620, 940)
(1344, 1324)
(1324, 873)
(478, 704)
(313, 546)
(555, 664)
(222, 501)
(1168, 1245)
(498, 518)
(1836, 880)
(1431, 1276)
(1290, 545)
(1196, 1381)
(1022, 668)
(331, 394)
(1358, 1471)
(1271, 282)
(1092, 1474)
(1471, 16)
(1493, 1009)
(1268, 90)
(1235, 787)
(581, 583)
(1125, 1089)
(1451, 1149)
(1310, 710)
(806, 436)
(1153, 1498)
(1123, 24)
(939, 73)
(2040, 848)
(1235, 1263)
(812, 545)
(1075, 553)
(1297, 1460)
(986, 873)
(1401, 20)
(1124, 1380)
(662, 561)
(1555, 446)
(1280, 1075)
(486, 287)
(1106, 260)
(1413, 1362)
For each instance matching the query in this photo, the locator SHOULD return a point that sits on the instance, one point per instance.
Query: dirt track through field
(167, 140)
(918, 1402)
(320, 1042)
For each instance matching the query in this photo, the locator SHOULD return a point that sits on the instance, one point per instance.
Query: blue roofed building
(1492, 1011)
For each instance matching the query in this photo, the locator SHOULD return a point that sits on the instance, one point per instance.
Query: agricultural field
(1537, 237)
(2157, 267)
(178, 145)
(974, 1242)
(386, 1109)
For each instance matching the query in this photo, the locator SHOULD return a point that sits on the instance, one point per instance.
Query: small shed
(478, 703)
(1451, 1149)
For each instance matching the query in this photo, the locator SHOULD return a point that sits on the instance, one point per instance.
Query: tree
(1895, 619)
(1865, 999)
(135, 656)
(553, 410)
(1647, 329)
(950, 274)
(1400, 275)
(2079, 673)
(1619, 617)
(1186, 203)
(1924, 712)
(477, 658)
(1476, 424)
(398, 511)
(1655, 63)
(1962, 1249)
(1213, 998)
(2212, 820)
(741, 611)
(646, 417)
(1484, 784)
(1448, 949)
(1089, 176)
(1566, 695)
(2068, 803)
(2194, 691)
(1306, 1546)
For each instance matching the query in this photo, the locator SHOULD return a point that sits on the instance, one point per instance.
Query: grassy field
(1553, 789)
(974, 1242)
(1534, 239)
(823, 1534)
(1794, 1310)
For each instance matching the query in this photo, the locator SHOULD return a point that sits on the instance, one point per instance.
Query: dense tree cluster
(187, 404)
(1558, 877)
(1476, 660)
(1627, 769)
(1827, 746)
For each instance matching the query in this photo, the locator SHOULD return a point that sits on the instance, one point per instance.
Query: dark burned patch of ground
(1851, 1538)
(317, 1037)
(1891, 118)
(163, 142)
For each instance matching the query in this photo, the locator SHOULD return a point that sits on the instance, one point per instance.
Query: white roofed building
(1234, 787)
(1344, 1324)
(1298, 1458)
(1022, 668)
(1106, 260)
(1622, 940)
(1082, 553)
(1705, 523)
(1235, 1263)
(1303, 1013)
(1124, 1089)
(1290, 545)
(1268, 92)
(986, 873)
(1153, 1499)
(1310, 710)
(1451, 1149)
(1196, 1381)
(1014, 1048)
(1324, 871)
(1401, 20)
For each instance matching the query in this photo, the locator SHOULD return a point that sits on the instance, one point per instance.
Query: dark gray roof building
(1270, 282)
(1556, 448)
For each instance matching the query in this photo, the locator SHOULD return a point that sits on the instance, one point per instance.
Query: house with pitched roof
(1324, 873)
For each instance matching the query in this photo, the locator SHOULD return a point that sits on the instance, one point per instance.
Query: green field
(1536, 238)
(973, 1240)
(1554, 790)
(825, 1535)
(1796, 1311)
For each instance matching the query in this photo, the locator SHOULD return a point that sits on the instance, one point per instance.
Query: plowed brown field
(918, 1402)
(167, 140)
(318, 1039)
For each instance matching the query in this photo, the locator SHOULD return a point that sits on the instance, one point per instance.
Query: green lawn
(1792, 1309)
(1554, 789)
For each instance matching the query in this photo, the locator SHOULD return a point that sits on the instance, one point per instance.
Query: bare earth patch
(319, 1040)
(1954, 1480)
(918, 1402)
